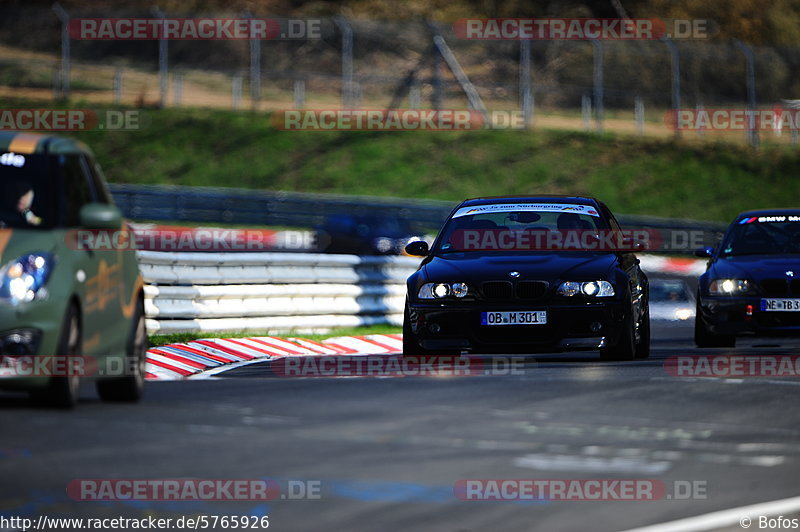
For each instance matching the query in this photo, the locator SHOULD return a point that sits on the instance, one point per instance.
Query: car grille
(497, 290)
(531, 289)
(507, 290)
(781, 287)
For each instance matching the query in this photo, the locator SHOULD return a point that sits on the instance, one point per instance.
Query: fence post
(638, 114)
(525, 94)
(598, 83)
(177, 89)
(63, 16)
(255, 66)
(700, 128)
(299, 93)
(675, 63)
(752, 131)
(347, 62)
(414, 96)
(236, 91)
(118, 86)
(163, 68)
(586, 112)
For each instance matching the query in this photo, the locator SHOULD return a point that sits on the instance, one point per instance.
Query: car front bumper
(43, 319)
(568, 327)
(729, 315)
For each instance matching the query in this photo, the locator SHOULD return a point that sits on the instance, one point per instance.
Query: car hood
(756, 267)
(17, 242)
(476, 266)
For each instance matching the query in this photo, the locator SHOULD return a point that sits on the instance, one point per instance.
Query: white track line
(723, 518)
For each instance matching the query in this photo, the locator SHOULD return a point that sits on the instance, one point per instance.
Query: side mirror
(100, 216)
(417, 248)
(704, 252)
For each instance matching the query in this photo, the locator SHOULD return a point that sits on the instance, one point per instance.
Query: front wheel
(411, 345)
(129, 389)
(62, 391)
(625, 349)
(643, 345)
(704, 338)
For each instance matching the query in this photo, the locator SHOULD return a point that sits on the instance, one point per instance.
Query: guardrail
(191, 292)
(271, 291)
(269, 208)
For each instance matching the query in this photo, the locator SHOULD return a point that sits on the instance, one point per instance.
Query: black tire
(704, 338)
(643, 345)
(62, 392)
(411, 346)
(625, 348)
(129, 389)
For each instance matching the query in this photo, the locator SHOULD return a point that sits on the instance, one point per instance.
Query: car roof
(36, 143)
(769, 212)
(539, 198)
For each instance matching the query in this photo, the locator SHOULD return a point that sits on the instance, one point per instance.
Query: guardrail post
(63, 16)
(163, 68)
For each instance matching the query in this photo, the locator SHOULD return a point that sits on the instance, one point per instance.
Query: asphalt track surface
(387, 452)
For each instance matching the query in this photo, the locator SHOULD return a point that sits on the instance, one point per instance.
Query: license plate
(520, 317)
(780, 305)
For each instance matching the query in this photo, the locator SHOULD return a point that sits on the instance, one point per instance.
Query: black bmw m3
(752, 284)
(528, 274)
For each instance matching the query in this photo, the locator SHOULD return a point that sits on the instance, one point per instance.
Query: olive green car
(68, 312)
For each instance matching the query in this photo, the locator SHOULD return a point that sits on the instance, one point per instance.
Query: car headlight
(24, 279)
(729, 287)
(586, 288)
(442, 290)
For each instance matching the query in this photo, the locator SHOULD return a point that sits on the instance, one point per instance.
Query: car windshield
(764, 235)
(667, 290)
(28, 197)
(525, 228)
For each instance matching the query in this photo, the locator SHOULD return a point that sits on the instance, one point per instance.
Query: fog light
(595, 326)
(434, 328)
(19, 342)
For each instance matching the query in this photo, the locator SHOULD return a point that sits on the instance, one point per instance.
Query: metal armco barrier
(190, 292)
(271, 291)
(269, 208)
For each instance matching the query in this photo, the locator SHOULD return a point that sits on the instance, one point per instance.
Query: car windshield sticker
(527, 207)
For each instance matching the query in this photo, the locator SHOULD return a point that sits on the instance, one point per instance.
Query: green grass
(164, 339)
(633, 175)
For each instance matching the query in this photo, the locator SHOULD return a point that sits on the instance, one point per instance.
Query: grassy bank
(692, 178)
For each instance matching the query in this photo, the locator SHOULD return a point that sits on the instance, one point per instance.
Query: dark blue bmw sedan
(752, 284)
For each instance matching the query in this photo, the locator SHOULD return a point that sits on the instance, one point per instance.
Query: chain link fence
(627, 86)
